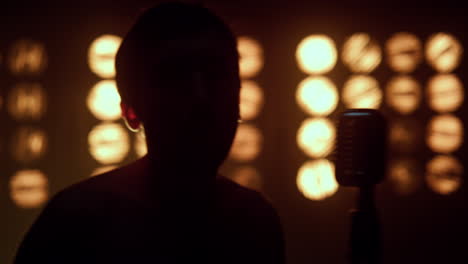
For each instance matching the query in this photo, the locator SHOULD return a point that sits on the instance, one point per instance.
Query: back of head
(178, 69)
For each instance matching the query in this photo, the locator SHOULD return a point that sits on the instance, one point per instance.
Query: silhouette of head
(177, 73)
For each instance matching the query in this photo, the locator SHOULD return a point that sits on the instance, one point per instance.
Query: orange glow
(317, 96)
(445, 92)
(316, 179)
(104, 101)
(141, 149)
(29, 144)
(247, 143)
(27, 101)
(362, 91)
(251, 100)
(29, 189)
(403, 94)
(445, 134)
(250, 57)
(444, 174)
(102, 170)
(248, 177)
(443, 52)
(316, 54)
(27, 57)
(101, 55)
(109, 143)
(316, 137)
(405, 176)
(404, 52)
(405, 135)
(361, 53)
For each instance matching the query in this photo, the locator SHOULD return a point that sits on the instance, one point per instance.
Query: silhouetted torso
(121, 217)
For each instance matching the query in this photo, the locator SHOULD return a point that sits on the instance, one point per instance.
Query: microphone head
(360, 150)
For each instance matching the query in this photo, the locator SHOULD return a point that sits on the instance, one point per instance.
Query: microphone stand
(365, 240)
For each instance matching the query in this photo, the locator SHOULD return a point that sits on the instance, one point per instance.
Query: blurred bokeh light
(27, 57)
(316, 54)
(443, 52)
(250, 57)
(361, 53)
(28, 144)
(445, 133)
(102, 170)
(247, 176)
(405, 135)
(445, 93)
(317, 96)
(27, 101)
(316, 179)
(141, 149)
(29, 189)
(101, 55)
(405, 176)
(362, 91)
(251, 100)
(316, 137)
(403, 94)
(444, 174)
(108, 143)
(247, 143)
(404, 52)
(104, 101)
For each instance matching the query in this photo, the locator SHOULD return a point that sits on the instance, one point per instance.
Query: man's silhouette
(177, 72)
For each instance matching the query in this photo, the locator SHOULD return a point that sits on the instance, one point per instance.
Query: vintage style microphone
(360, 156)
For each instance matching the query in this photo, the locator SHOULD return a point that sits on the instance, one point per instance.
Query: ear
(131, 119)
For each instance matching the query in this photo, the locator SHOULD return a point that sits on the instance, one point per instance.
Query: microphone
(360, 161)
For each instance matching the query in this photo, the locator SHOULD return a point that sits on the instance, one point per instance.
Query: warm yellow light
(404, 52)
(405, 176)
(445, 92)
(316, 137)
(102, 170)
(101, 55)
(251, 100)
(445, 134)
(403, 94)
(316, 54)
(109, 143)
(247, 143)
(250, 57)
(104, 101)
(444, 174)
(316, 179)
(248, 177)
(443, 52)
(317, 96)
(405, 135)
(29, 144)
(27, 101)
(362, 91)
(27, 57)
(29, 188)
(361, 53)
(141, 149)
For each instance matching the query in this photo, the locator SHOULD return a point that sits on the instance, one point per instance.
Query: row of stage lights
(318, 96)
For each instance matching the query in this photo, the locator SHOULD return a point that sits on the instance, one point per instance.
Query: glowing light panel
(141, 149)
(108, 143)
(27, 101)
(316, 137)
(361, 53)
(445, 92)
(403, 94)
(317, 96)
(247, 143)
(250, 57)
(28, 144)
(404, 52)
(248, 177)
(102, 170)
(445, 134)
(405, 176)
(316, 179)
(101, 55)
(443, 52)
(27, 57)
(444, 174)
(251, 100)
(362, 91)
(104, 101)
(316, 54)
(29, 189)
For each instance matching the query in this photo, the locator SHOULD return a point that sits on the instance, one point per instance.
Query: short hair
(147, 41)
